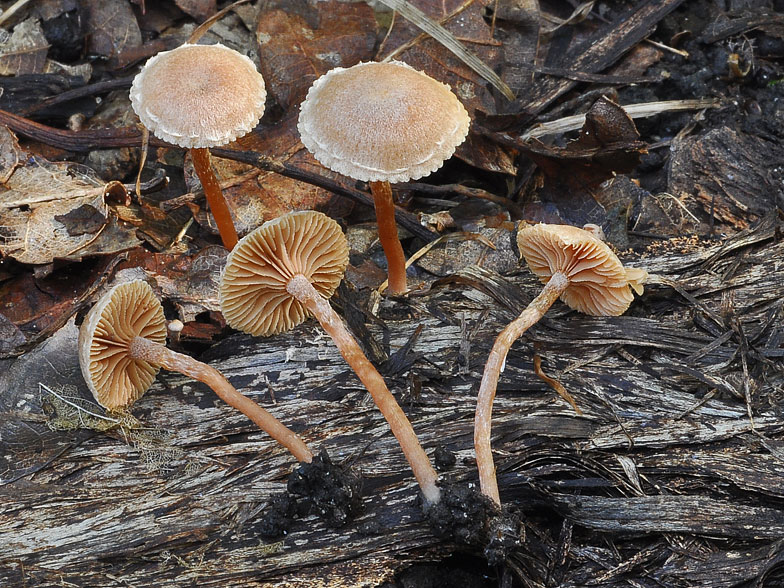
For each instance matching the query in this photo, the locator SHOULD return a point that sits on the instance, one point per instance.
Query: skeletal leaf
(50, 210)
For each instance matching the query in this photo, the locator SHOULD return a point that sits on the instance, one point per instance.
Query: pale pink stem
(301, 288)
(160, 355)
(495, 364)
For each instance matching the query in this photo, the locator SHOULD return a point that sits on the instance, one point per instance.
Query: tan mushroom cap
(381, 122)
(253, 293)
(598, 281)
(199, 95)
(128, 310)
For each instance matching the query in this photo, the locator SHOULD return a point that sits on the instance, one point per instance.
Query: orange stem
(301, 288)
(495, 364)
(212, 190)
(158, 354)
(387, 234)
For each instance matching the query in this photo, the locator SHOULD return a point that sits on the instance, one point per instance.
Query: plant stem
(212, 190)
(495, 364)
(387, 234)
(158, 354)
(301, 288)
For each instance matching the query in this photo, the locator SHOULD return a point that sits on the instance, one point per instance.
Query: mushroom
(286, 270)
(122, 347)
(201, 96)
(382, 123)
(580, 269)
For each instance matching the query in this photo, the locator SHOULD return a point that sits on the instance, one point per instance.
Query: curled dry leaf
(608, 144)
(52, 210)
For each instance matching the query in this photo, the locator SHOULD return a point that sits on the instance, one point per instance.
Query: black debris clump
(320, 488)
(467, 517)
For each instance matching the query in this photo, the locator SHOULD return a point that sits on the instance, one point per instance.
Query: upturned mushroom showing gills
(201, 96)
(286, 270)
(580, 269)
(382, 123)
(122, 347)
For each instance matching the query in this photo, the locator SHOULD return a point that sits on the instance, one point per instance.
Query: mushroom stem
(493, 368)
(160, 355)
(387, 234)
(212, 190)
(301, 288)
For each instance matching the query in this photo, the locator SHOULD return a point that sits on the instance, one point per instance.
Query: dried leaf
(198, 9)
(25, 51)
(52, 210)
(112, 27)
(255, 196)
(293, 53)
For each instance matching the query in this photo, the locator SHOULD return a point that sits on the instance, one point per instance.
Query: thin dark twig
(76, 93)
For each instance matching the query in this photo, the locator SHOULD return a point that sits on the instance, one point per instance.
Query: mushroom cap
(598, 282)
(253, 293)
(381, 122)
(126, 311)
(199, 95)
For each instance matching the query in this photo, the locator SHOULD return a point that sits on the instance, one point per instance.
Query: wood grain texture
(665, 448)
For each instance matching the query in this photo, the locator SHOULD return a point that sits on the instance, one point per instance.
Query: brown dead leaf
(198, 9)
(255, 196)
(25, 51)
(34, 306)
(293, 53)
(52, 210)
(112, 27)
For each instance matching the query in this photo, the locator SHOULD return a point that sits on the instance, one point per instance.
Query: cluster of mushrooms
(375, 122)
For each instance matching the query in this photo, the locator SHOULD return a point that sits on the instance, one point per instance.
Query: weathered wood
(665, 447)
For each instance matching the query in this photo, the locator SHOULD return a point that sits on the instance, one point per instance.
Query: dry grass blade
(448, 40)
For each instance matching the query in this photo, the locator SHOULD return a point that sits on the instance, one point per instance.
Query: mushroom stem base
(493, 368)
(301, 288)
(387, 234)
(212, 190)
(160, 355)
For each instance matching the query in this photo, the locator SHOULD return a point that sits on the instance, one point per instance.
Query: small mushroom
(122, 347)
(382, 123)
(286, 270)
(201, 96)
(580, 269)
